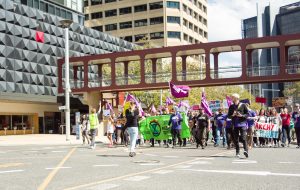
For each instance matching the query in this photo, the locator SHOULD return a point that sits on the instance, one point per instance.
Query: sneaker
(173, 146)
(246, 154)
(216, 145)
(197, 146)
(298, 146)
(270, 146)
(255, 146)
(203, 147)
(228, 147)
(131, 154)
(237, 155)
(288, 145)
(282, 145)
(134, 154)
(168, 145)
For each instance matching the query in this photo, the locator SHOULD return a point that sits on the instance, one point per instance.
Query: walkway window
(111, 27)
(126, 10)
(111, 13)
(96, 2)
(98, 28)
(173, 4)
(172, 34)
(173, 19)
(157, 5)
(128, 38)
(139, 37)
(86, 17)
(139, 23)
(140, 8)
(124, 25)
(156, 20)
(156, 35)
(110, 1)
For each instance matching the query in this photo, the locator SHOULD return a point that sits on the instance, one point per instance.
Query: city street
(77, 167)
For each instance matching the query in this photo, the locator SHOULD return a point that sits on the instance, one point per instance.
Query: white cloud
(225, 18)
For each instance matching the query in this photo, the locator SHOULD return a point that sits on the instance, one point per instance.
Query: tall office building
(271, 20)
(31, 42)
(165, 23)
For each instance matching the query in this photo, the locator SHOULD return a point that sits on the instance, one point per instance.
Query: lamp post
(66, 24)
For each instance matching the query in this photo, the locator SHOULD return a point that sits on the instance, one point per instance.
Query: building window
(124, 25)
(172, 34)
(156, 35)
(98, 28)
(190, 12)
(191, 40)
(205, 34)
(184, 8)
(195, 2)
(36, 4)
(111, 13)
(139, 23)
(173, 4)
(128, 38)
(96, 15)
(191, 26)
(156, 20)
(51, 9)
(200, 31)
(200, 18)
(204, 9)
(196, 15)
(205, 22)
(185, 23)
(195, 29)
(173, 19)
(96, 2)
(139, 37)
(110, 1)
(157, 5)
(185, 37)
(140, 8)
(126, 10)
(63, 14)
(196, 41)
(69, 15)
(200, 5)
(111, 27)
(86, 3)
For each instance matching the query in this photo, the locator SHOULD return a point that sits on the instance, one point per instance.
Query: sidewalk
(42, 139)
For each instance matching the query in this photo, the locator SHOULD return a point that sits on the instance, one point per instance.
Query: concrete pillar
(154, 70)
(184, 67)
(126, 63)
(216, 65)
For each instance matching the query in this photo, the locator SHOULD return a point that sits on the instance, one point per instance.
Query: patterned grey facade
(30, 67)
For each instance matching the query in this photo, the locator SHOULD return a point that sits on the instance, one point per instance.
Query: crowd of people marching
(225, 128)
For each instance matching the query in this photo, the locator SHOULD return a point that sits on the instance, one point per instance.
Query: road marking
(170, 156)
(244, 162)
(200, 163)
(152, 164)
(258, 173)
(11, 171)
(137, 178)
(286, 162)
(2, 152)
(10, 165)
(57, 168)
(163, 172)
(206, 158)
(51, 175)
(103, 187)
(183, 167)
(45, 148)
(107, 165)
(154, 155)
(58, 151)
(130, 175)
(30, 151)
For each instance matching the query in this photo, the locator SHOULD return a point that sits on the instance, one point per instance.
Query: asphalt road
(77, 167)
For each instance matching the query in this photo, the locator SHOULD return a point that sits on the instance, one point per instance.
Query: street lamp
(66, 24)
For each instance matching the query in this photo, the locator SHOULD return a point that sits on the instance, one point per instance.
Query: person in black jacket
(238, 112)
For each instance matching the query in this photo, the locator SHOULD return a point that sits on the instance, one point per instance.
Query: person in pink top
(286, 121)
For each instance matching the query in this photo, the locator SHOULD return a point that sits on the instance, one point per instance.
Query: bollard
(15, 130)
(5, 129)
(24, 130)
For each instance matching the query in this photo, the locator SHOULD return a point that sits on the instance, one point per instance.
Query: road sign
(62, 107)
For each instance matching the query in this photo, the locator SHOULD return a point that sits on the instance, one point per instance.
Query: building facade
(271, 20)
(31, 42)
(164, 23)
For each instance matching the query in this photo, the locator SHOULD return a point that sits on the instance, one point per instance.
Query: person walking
(175, 122)
(286, 121)
(202, 128)
(251, 122)
(229, 132)
(275, 119)
(262, 118)
(84, 129)
(132, 117)
(110, 130)
(94, 124)
(220, 120)
(238, 112)
(296, 117)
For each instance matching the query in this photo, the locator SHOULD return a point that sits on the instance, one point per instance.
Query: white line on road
(11, 171)
(137, 178)
(258, 173)
(58, 168)
(103, 187)
(2, 152)
(183, 167)
(107, 165)
(154, 155)
(205, 158)
(58, 151)
(152, 164)
(163, 172)
(244, 162)
(170, 156)
(286, 162)
(200, 163)
(30, 151)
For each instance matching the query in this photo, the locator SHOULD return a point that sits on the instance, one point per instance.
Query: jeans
(219, 133)
(133, 133)
(243, 131)
(176, 133)
(93, 135)
(297, 130)
(286, 134)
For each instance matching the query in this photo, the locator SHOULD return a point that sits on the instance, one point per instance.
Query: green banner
(157, 127)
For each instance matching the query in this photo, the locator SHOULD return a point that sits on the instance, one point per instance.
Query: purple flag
(204, 105)
(153, 109)
(131, 98)
(169, 101)
(108, 106)
(183, 103)
(229, 101)
(179, 91)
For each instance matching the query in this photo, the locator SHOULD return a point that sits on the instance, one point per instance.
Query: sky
(224, 21)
